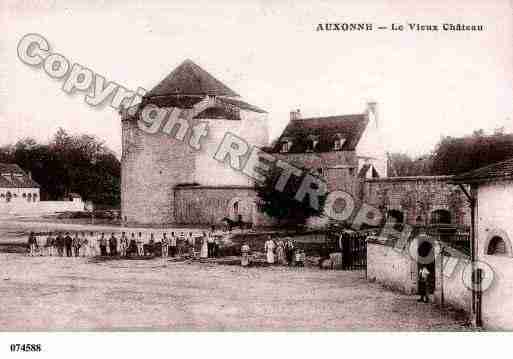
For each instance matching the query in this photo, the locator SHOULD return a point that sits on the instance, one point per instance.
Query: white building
(17, 189)
(492, 193)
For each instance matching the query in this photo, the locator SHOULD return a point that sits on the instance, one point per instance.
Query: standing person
(76, 244)
(181, 244)
(103, 245)
(300, 256)
(151, 245)
(172, 244)
(40, 245)
(423, 284)
(204, 246)
(164, 244)
(68, 243)
(245, 250)
(113, 245)
(84, 244)
(133, 245)
(59, 243)
(140, 245)
(49, 244)
(217, 246)
(289, 251)
(92, 245)
(192, 244)
(123, 244)
(211, 243)
(269, 249)
(32, 244)
(280, 252)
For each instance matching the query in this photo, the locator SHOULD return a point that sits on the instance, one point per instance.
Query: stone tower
(164, 179)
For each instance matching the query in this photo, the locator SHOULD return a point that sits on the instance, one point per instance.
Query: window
(311, 143)
(8, 197)
(285, 146)
(29, 197)
(236, 208)
(320, 171)
(441, 216)
(497, 247)
(339, 142)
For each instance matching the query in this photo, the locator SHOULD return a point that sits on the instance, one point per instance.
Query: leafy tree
(81, 164)
(282, 205)
(402, 165)
(458, 155)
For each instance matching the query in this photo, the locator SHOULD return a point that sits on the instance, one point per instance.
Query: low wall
(390, 267)
(42, 207)
(207, 205)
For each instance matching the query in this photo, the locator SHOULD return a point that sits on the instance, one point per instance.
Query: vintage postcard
(256, 166)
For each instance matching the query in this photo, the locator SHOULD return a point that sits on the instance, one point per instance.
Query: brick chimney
(295, 115)
(372, 112)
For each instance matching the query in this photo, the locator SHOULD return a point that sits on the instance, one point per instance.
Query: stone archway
(495, 239)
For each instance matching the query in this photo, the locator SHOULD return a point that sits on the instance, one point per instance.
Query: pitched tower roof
(190, 79)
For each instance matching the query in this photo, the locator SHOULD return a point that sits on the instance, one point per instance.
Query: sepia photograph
(255, 167)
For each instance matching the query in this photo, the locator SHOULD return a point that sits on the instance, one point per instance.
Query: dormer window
(7, 176)
(286, 146)
(311, 143)
(339, 142)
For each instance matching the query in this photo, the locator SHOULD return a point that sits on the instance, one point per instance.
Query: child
(300, 258)
(165, 246)
(32, 243)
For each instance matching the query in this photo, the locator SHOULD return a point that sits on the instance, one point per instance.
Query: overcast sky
(427, 84)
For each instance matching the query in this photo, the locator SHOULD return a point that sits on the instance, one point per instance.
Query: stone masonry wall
(339, 168)
(417, 198)
(152, 164)
(208, 204)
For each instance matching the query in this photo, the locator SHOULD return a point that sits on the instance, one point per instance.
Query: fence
(352, 245)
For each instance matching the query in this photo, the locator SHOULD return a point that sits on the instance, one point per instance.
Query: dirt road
(48, 293)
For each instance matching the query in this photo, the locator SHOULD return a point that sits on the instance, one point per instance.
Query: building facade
(341, 149)
(492, 190)
(17, 189)
(166, 178)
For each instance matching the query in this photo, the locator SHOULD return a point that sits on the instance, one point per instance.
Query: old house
(16, 186)
(339, 148)
(492, 195)
(165, 179)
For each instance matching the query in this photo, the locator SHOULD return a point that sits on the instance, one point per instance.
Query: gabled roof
(190, 79)
(326, 130)
(499, 170)
(19, 180)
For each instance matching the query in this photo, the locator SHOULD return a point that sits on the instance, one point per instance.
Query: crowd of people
(133, 244)
(90, 244)
(281, 252)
